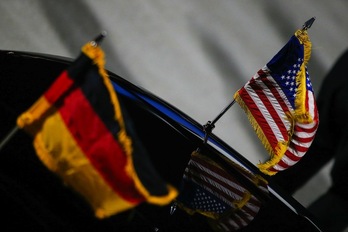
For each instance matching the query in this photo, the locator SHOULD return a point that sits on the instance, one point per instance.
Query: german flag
(80, 134)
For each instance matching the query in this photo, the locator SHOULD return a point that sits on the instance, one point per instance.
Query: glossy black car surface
(33, 199)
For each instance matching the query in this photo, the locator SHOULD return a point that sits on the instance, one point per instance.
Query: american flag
(280, 104)
(211, 191)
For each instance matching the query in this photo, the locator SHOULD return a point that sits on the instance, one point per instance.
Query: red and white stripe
(269, 106)
(301, 139)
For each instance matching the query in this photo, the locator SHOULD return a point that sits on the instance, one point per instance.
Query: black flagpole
(210, 125)
(99, 38)
(8, 137)
(308, 23)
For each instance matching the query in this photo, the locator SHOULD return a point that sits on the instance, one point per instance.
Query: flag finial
(99, 38)
(308, 23)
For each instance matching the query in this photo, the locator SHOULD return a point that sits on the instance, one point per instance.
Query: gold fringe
(28, 120)
(280, 150)
(43, 154)
(300, 110)
(239, 204)
(193, 211)
(96, 54)
(254, 124)
(276, 153)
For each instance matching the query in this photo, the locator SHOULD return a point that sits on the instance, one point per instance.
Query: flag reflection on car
(211, 190)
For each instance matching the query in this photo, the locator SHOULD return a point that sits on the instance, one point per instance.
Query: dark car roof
(36, 196)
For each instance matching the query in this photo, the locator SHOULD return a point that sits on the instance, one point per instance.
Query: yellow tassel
(301, 114)
(96, 53)
(254, 124)
(241, 202)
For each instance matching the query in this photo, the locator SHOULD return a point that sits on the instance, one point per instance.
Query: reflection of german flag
(79, 134)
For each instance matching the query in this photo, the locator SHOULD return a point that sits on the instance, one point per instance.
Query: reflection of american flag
(210, 190)
(280, 104)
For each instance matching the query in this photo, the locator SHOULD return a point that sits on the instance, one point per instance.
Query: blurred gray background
(193, 54)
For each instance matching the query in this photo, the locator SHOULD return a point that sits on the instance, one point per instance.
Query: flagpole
(308, 23)
(99, 38)
(8, 137)
(210, 125)
(207, 128)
